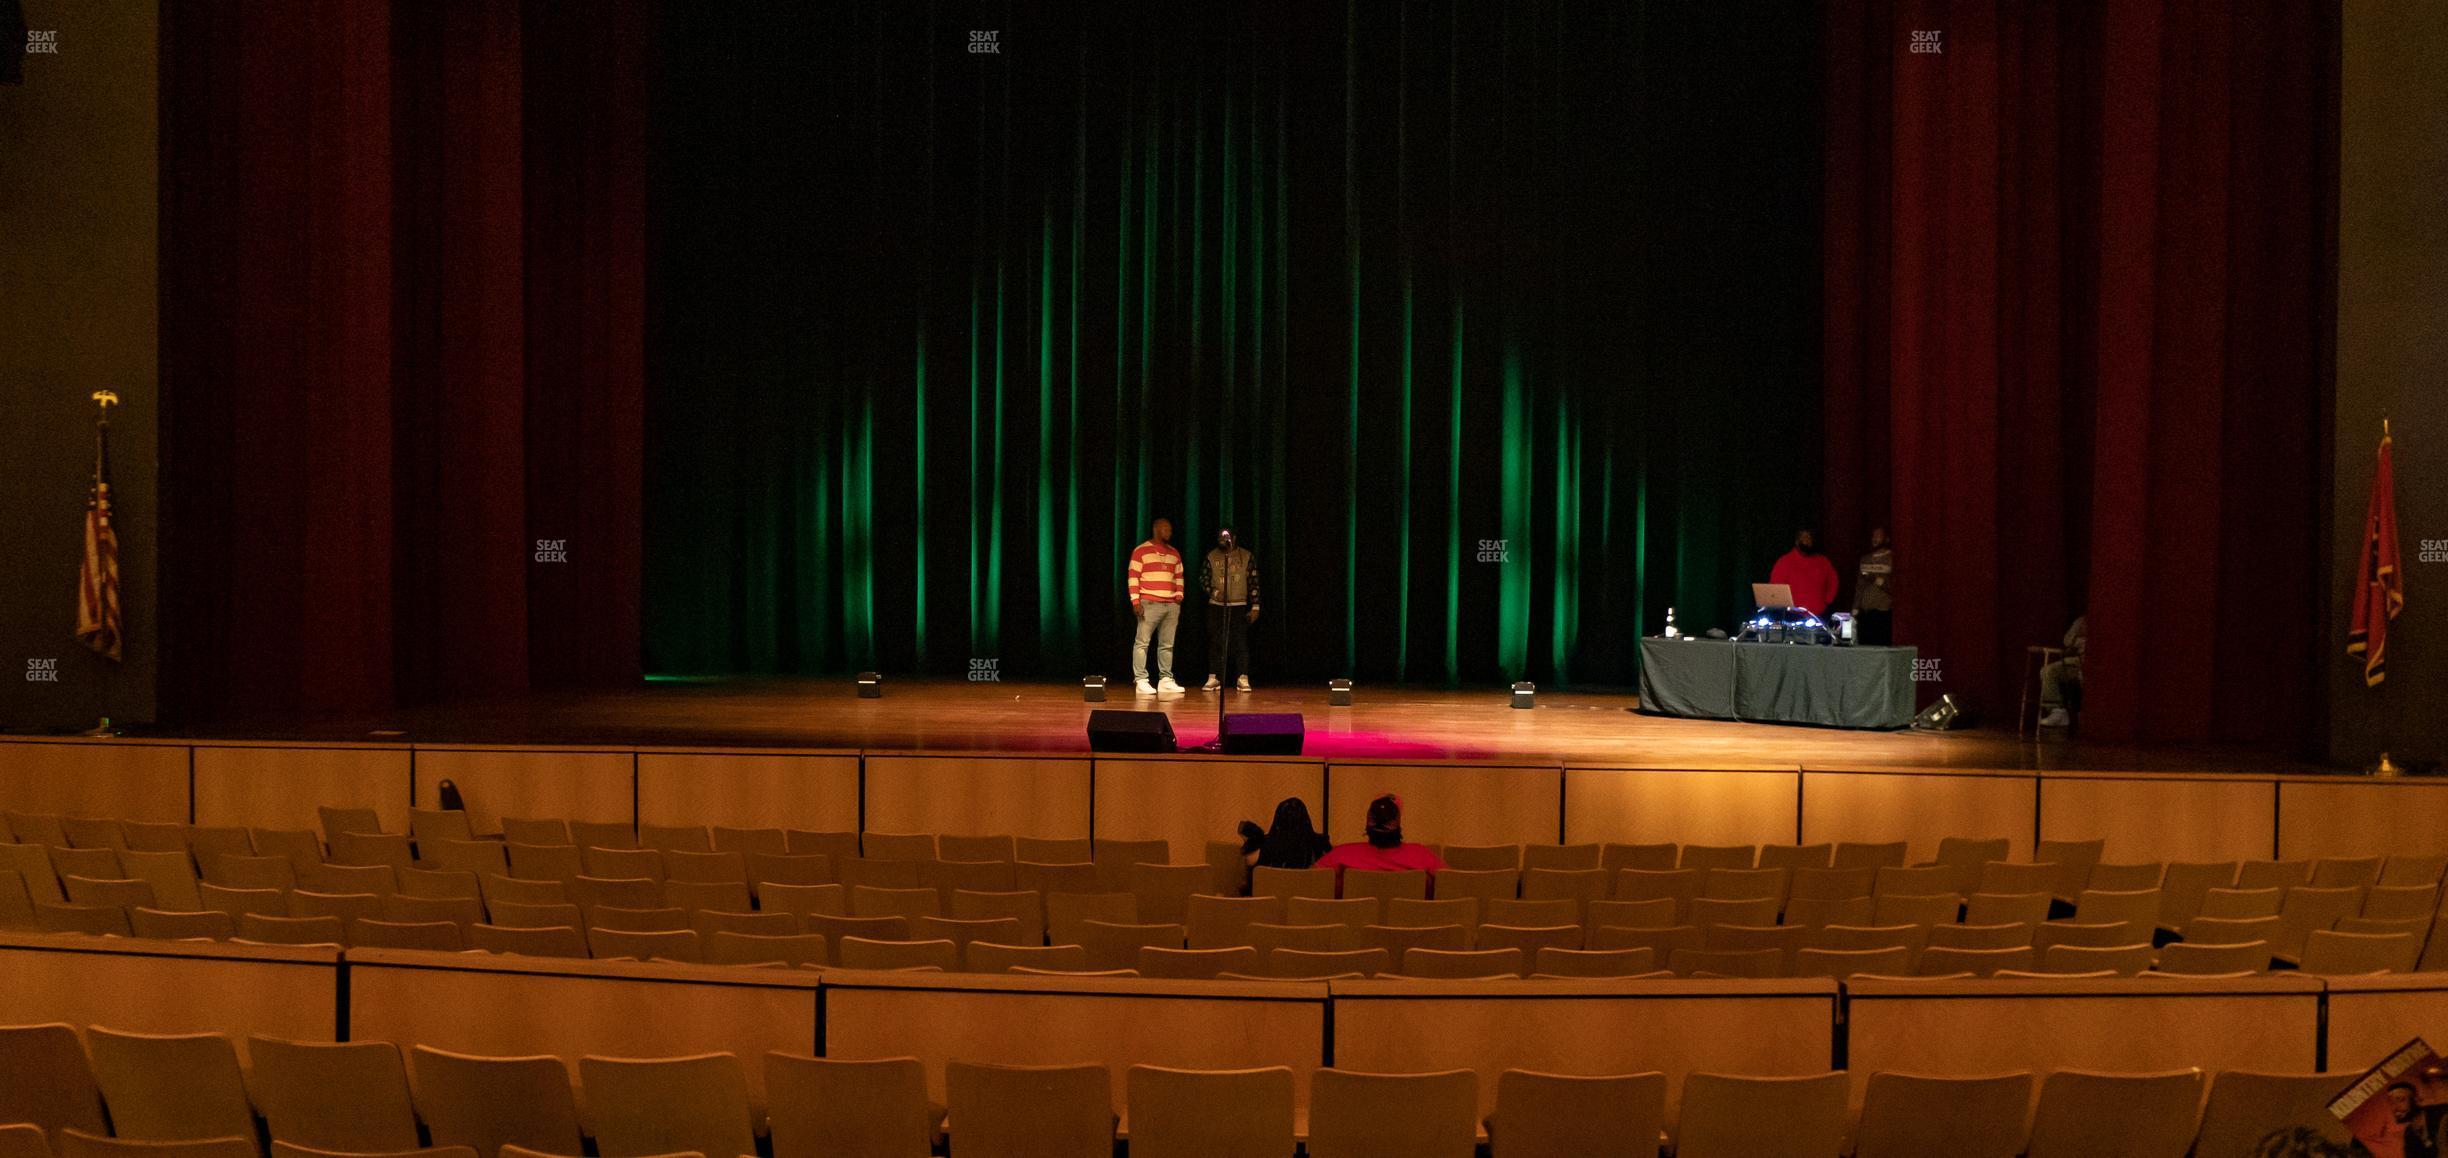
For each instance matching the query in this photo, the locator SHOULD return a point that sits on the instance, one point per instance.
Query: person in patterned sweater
(1230, 576)
(1155, 599)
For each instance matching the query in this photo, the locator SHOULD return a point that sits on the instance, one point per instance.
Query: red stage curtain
(2076, 343)
(372, 353)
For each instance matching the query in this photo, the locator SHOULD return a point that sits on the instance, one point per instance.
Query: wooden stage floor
(1393, 722)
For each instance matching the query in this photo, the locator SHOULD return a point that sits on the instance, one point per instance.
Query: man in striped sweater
(1155, 598)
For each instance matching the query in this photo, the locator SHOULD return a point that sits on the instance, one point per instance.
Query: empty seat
(2328, 953)
(1027, 908)
(1615, 858)
(708, 922)
(1400, 941)
(2308, 909)
(1830, 884)
(432, 936)
(559, 941)
(616, 892)
(998, 1111)
(78, 1144)
(1481, 858)
(1279, 882)
(482, 857)
(2246, 1107)
(1542, 1115)
(2122, 960)
(1076, 878)
(1580, 886)
(115, 894)
(1811, 914)
(1851, 854)
(1223, 922)
(766, 868)
(1718, 856)
(1915, 908)
(668, 1106)
(1937, 962)
(1484, 886)
(1987, 908)
(516, 916)
(2339, 872)
(1552, 962)
(171, 1087)
(1367, 1115)
(166, 926)
(22, 1140)
(751, 841)
(1405, 913)
(545, 862)
(1797, 856)
(1727, 962)
(858, 1109)
(43, 828)
(98, 920)
(726, 896)
(862, 953)
(1724, 1116)
(1909, 1115)
(1680, 886)
(1656, 913)
(2095, 1115)
(2074, 859)
(2404, 871)
(1195, 964)
(1354, 913)
(2385, 902)
(1000, 930)
(302, 848)
(1385, 885)
(2190, 958)
(670, 945)
(439, 824)
(840, 846)
(621, 864)
(692, 838)
(1111, 945)
(2238, 903)
(347, 907)
(495, 888)
(804, 901)
(348, 1096)
(292, 930)
(485, 1103)
(1070, 850)
(93, 832)
(976, 848)
(615, 834)
(1919, 881)
(835, 929)
(1530, 939)
(988, 957)
(172, 876)
(2231, 931)
(1913, 937)
(2186, 884)
(1462, 964)
(1744, 884)
(752, 949)
(1664, 943)
(532, 830)
(1707, 912)
(2006, 935)
(1298, 963)
(1999, 876)
(1894, 961)
(897, 845)
(2273, 874)
(1176, 1113)
(978, 876)
(349, 880)
(45, 1079)
(249, 872)
(1560, 857)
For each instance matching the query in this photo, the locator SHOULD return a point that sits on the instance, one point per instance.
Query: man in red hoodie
(1808, 573)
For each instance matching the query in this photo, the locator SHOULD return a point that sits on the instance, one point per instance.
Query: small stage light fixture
(1525, 694)
(870, 686)
(1338, 693)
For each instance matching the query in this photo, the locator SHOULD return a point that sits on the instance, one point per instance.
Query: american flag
(98, 575)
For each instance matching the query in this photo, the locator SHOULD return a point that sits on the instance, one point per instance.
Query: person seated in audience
(1292, 842)
(1384, 850)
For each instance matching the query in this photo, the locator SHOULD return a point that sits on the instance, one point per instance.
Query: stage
(1470, 724)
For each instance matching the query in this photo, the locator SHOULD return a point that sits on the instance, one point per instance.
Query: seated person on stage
(1292, 843)
(1384, 850)
(2063, 674)
(1808, 573)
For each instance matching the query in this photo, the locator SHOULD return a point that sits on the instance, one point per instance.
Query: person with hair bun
(1385, 850)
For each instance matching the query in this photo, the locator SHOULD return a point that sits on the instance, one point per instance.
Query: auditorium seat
(868, 872)
(1385, 885)
(641, 1106)
(434, 936)
(290, 1150)
(609, 834)
(2415, 927)
(839, 845)
(1264, 936)
(264, 930)
(93, 832)
(947, 877)
(172, 876)
(898, 845)
(999, 1111)
(1912, 937)
(168, 926)
(866, 953)
(207, 841)
(516, 916)
(751, 842)
(1033, 971)
(1727, 1116)
(2012, 878)
(1501, 911)
(2328, 953)
(1069, 850)
(2308, 909)
(2121, 960)
(303, 849)
(482, 857)
(724, 896)
(1831, 884)
(242, 872)
(1195, 964)
(545, 862)
(1114, 945)
(1579, 886)
(1482, 884)
(2125, 878)
(147, 836)
(1280, 882)
(2087, 1115)
(590, 893)
(1727, 962)
(1113, 860)
(1027, 908)
(2221, 902)
(904, 903)
(1179, 1113)
(988, 957)
(2089, 934)
(1483, 857)
(1530, 939)
(2232, 930)
(708, 922)
(726, 948)
(171, 1087)
(1939, 962)
(620, 863)
(1745, 885)
(1551, 961)
(1707, 912)
(484, 1102)
(24, 1141)
(671, 838)
(614, 944)
(769, 868)
(1918, 881)
(1065, 912)
(1071, 878)
(1559, 857)
(2382, 902)
(2245, 1107)
(417, 882)
(1987, 908)
(558, 941)
(1001, 930)
(78, 1144)
(1680, 886)
(1852, 854)
(1371, 1115)
(101, 864)
(1912, 1115)
(1398, 942)
(439, 824)
(1615, 858)
(2408, 871)
(1223, 922)
(834, 929)
(2340, 872)
(1999, 935)
(1718, 856)
(1785, 939)
(2273, 874)
(541, 831)
(1925, 909)
(2186, 887)
(345, 906)
(372, 880)
(115, 893)
(1662, 943)
(1354, 913)
(824, 1107)
(1303, 963)
(46, 1080)
(1405, 913)
(97, 920)
(805, 901)
(1839, 964)
(345, 1096)
(1812, 913)
(41, 828)
(2188, 957)
(1797, 856)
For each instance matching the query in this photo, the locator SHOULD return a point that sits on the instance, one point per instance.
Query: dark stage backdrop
(1492, 328)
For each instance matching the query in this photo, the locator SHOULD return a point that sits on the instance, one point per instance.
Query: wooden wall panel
(1758, 1028)
(281, 787)
(120, 780)
(1116, 1023)
(170, 986)
(2369, 1017)
(2162, 818)
(2141, 1025)
(1686, 807)
(1190, 801)
(572, 784)
(1918, 809)
(506, 1007)
(2362, 818)
(815, 792)
(1450, 803)
(1045, 797)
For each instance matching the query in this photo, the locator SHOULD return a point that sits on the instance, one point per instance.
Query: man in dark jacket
(1230, 576)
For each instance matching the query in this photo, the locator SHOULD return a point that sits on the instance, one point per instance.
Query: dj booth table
(1785, 683)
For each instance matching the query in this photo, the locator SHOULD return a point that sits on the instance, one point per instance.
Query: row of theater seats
(357, 1098)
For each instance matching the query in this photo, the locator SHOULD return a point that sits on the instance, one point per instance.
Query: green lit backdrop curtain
(1491, 327)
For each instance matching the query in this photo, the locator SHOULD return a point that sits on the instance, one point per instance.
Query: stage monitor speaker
(1116, 730)
(1262, 734)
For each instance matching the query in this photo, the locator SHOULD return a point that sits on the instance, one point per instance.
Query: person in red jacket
(1808, 573)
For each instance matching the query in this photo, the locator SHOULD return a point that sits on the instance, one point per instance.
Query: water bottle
(1671, 633)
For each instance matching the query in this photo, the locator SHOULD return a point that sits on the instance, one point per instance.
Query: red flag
(98, 576)
(2379, 584)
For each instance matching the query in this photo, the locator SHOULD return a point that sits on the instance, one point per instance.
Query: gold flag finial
(106, 399)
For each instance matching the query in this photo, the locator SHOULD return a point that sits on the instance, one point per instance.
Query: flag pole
(103, 401)
(2388, 719)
